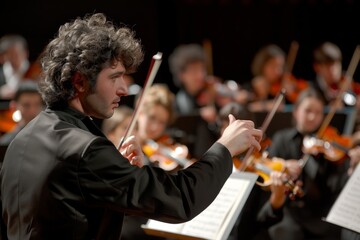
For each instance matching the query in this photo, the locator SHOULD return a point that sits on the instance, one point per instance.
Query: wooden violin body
(263, 167)
(331, 144)
(167, 157)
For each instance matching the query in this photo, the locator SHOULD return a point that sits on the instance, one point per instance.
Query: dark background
(236, 28)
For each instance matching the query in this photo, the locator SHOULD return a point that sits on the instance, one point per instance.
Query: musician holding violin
(188, 66)
(264, 207)
(322, 179)
(329, 76)
(156, 114)
(26, 105)
(272, 73)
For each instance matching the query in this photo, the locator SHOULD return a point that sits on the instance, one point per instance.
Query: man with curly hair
(63, 179)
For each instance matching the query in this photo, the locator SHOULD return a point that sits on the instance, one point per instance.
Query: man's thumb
(231, 119)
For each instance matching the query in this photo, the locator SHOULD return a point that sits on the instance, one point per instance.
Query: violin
(263, 166)
(260, 164)
(166, 156)
(334, 146)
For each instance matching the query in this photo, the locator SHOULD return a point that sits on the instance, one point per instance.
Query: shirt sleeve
(107, 179)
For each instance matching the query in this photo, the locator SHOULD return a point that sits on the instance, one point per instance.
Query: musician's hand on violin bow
(131, 150)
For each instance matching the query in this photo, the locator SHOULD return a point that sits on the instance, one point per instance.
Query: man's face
(274, 69)
(309, 115)
(330, 72)
(30, 105)
(110, 87)
(193, 77)
(152, 122)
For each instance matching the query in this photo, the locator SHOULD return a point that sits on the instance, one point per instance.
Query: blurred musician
(327, 64)
(26, 105)
(13, 64)
(188, 67)
(322, 178)
(272, 72)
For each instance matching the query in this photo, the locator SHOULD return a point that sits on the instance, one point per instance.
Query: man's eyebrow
(116, 73)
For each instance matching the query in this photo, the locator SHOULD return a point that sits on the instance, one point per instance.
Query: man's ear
(78, 80)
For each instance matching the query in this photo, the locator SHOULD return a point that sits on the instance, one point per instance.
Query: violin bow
(290, 61)
(153, 69)
(263, 127)
(207, 45)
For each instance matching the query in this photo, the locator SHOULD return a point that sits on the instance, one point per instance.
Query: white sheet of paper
(346, 210)
(208, 223)
(211, 223)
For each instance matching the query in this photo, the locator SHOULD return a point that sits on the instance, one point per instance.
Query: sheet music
(162, 225)
(208, 223)
(346, 210)
(213, 221)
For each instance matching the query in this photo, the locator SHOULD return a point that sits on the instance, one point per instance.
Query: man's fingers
(257, 134)
(256, 137)
(255, 143)
(128, 141)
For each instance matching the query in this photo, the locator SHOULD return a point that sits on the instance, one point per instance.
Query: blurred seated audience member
(27, 104)
(115, 127)
(13, 64)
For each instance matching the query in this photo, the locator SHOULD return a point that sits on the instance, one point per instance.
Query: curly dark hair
(86, 46)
